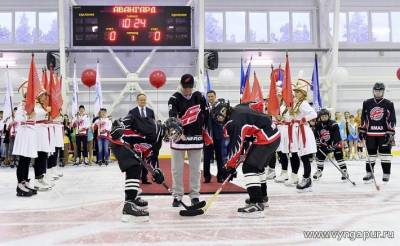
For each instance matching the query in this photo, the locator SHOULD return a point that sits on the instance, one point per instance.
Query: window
(358, 27)
(25, 24)
(301, 27)
(258, 27)
(5, 27)
(380, 27)
(342, 26)
(235, 27)
(279, 27)
(214, 26)
(48, 27)
(395, 16)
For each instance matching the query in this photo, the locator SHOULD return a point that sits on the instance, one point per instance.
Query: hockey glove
(158, 176)
(232, 172)
(389, 139)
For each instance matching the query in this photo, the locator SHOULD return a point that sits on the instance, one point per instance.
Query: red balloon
(88, 77)
(398, 73)
(157, 78)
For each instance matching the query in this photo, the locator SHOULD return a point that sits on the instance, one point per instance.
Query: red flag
(246, 97)
(257, 95)
(273, 102)
(287, 85)
(34, 88)
(55, 97)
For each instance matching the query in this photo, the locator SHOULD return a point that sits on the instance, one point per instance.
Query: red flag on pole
(273, 102)
(56, 97)
(287, 93)
(246, 97)
(34, 87)
(257, 95)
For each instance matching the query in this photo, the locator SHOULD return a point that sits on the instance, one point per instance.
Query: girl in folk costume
(103, 126)
(81, 123)
(45, 143)
(302, 137)
(282, 122)
(25, 146)
(56, 144)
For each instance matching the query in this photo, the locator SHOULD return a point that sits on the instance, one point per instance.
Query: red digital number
(112, 36)
(139, 23)
(126, 23)
(157, 36)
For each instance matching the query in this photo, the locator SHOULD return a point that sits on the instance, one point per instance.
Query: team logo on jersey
(191, 115)
(376, 113)
(325, 135)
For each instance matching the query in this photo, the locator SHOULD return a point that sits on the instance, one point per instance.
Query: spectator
(143, 111)
(81, 125)
(217, 147)
(103, 126)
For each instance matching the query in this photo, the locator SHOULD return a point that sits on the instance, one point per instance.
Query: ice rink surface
(84, 208)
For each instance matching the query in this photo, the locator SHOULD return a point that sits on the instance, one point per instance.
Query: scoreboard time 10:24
(131, 26)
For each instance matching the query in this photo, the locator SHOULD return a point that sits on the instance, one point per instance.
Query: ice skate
(271, 174)
(317, 175)
(252, 210)
(283, 177)
(304, 186)
(41, 185)
(294, 180)
(23, 191)
(385, 178)
(132, 213)
(264, 201)
(368, 178)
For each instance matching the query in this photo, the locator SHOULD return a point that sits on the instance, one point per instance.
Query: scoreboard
(131, 26)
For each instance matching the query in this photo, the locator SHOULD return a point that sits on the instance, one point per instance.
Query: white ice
(85, 207)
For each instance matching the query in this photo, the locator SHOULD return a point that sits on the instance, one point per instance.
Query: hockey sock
(386, 163)
(263, 182)
(371, 160)
(132, 182)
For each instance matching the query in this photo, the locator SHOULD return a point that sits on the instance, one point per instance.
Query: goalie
(133, 140)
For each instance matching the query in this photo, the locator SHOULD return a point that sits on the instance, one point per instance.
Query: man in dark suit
(142, 111)
(218, 147)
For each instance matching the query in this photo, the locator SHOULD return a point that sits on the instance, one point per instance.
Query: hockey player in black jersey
(245, 126)
(133, 140)
(378, 121)
(328, 140)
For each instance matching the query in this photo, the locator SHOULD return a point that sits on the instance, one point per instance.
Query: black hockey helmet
(378, 90)
(379, 86)
(173, 129)
(187, 81)
(218, 109)
(324, 111)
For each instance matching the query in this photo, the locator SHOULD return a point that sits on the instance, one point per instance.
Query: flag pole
(8, 83)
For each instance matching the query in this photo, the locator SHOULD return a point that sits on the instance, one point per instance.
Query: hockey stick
(150, 168)
(338, 168)
(212, 199)
(372, 170)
